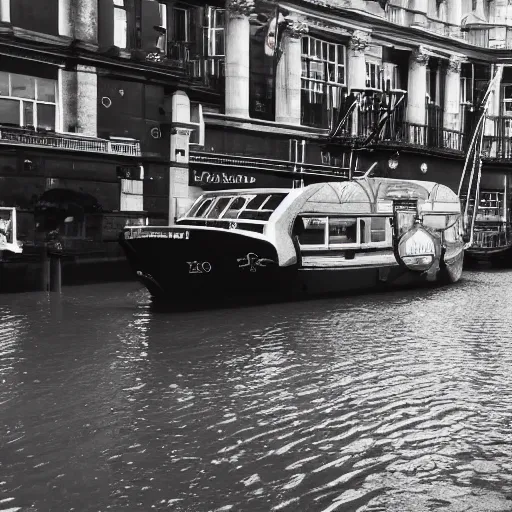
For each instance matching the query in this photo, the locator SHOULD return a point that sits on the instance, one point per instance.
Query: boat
(485, 204)
(277, 244)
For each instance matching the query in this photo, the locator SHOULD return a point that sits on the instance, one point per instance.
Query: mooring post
(45, 270)
(55, 273)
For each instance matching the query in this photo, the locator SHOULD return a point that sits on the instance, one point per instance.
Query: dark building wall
(257, 144)
(135, 110)
(156, 189)
(38, 16)
(440, 169)
(25, 175)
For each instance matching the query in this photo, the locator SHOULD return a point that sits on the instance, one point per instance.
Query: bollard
(55, 273)
(45, 270)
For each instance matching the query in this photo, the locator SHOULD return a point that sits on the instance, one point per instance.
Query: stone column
(356, 78)
(78, 91)
(420, 9)
(66, 24)
(86, 21)
(454, 17)
(451, 120)
(5, 12)
(416, 95)
(493, 112)
(238, 33)
(87, 100)
(181, 196)
(288, 75)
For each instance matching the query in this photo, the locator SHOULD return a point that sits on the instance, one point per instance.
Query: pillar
(454, 17)
(237, 58)
(420, 8)
(288, 75)
(79, 92)
(87, 100)
(86, 20)
(359, 43)
(416, 95)
(451, 119)
(5, 12)
(356, 78)
(180, 194)
(66, 24)
(492, 120)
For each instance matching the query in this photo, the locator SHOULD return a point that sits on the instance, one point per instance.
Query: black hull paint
(223, 267)
(496, 257)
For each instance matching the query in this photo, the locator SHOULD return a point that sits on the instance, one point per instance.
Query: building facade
(336, 87)
(100, 101)
(124, 111)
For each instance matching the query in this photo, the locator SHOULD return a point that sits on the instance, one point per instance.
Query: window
(373, 76)
(339, 232)
(162, 38)
(181, 25)
(120, 24)
(253, 207)
(323, 77)
(507, 99)
(27, 101)
(132, 195)
(378, 229)
(214, 33)
(218, 207)
(313, 231)
(343, 231)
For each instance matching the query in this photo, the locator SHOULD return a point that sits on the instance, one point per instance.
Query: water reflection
(392, 402)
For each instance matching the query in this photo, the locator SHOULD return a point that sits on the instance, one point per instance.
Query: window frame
(210, 31)
(359, 244)
(34, 102)
(326, 89)
(120, 5)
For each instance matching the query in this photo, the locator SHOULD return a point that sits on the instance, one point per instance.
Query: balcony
(380, 118)
(69, 142)
(187, 57)
(498, 138)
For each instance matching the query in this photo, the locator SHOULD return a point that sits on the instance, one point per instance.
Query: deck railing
(69, 142)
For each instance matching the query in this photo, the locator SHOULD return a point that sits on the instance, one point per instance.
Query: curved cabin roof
(374, 195)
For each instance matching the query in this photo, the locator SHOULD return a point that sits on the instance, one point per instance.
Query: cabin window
(378, 229)
(219, 207)
(261, 206)
(313, 231)
(343, 231)
(202, 208)
(234, 208)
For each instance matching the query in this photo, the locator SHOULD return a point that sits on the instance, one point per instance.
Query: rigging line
(477, 196)
(492, 85)
(342, 122)
(383, 121)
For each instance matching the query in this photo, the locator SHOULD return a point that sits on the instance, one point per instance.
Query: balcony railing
(381, 117)
(498, 138)
(126, 147)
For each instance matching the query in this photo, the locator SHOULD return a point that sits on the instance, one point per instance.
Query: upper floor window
(373, 75)
(28, 101)
(323, 76)
(120, 24)
(214, 32)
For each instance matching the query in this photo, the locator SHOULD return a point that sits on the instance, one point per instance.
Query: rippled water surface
(393, 402)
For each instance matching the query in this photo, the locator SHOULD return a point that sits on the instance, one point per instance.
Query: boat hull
(210, 267)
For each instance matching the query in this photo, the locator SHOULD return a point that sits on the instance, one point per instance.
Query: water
(393, 402)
